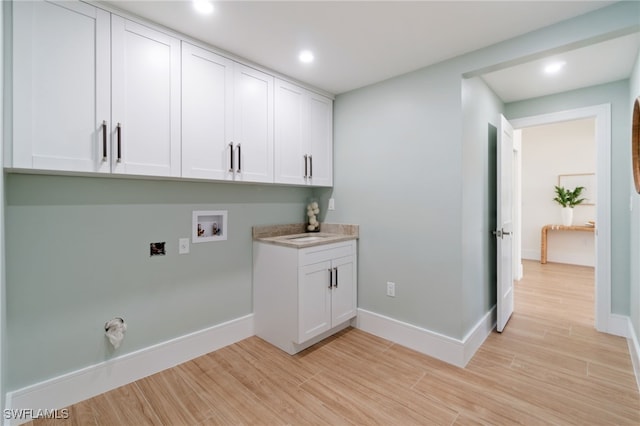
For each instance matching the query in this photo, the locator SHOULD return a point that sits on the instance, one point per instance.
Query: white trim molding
(618, 325)
(88, 382)
(445, 348)
(634, 350)
(602, 114)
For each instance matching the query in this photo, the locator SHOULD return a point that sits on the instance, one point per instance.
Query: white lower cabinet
(303, 295)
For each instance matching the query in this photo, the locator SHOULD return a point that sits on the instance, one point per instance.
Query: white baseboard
(565, 257)
(88, 382)
(531, 254)
(519, 272)
(634, 350)
(618, 325)
(445, 348)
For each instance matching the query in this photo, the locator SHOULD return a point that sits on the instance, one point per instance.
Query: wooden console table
(546, 228)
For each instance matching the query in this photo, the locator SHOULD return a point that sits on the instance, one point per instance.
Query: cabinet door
(344, 293)
(253, 130)
(320, 131)
(291, 142)
(314, 300)
(207, 114)
(145, 100)
(61, 75)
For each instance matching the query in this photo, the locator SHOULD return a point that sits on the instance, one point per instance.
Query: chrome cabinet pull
(310, 166)
(305, 166)
(119, 132)
(239, 159)
(104, 140)
(330, 278)
(231, 157)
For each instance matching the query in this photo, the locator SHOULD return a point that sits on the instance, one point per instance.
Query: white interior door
(504, 233)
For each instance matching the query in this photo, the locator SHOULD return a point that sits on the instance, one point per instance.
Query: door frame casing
(602, 115)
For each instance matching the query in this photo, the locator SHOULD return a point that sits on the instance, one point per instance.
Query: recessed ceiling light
(554, 67)
(203, 6)
(306, 56)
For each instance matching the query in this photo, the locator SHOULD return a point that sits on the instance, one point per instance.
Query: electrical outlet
(332, 204)
(391, 289)
(183, 246)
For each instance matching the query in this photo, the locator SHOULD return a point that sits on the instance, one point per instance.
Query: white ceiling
(357, 43)
(599, 63)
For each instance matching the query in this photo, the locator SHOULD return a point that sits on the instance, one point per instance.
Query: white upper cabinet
(146, 100)
(227, 119)
(253, 125)
(93, 92)
(290, 148)
(303, 136)
(320, 140)
(207, 114)
(61, 78)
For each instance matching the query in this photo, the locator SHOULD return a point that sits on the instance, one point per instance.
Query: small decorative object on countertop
(313, 210)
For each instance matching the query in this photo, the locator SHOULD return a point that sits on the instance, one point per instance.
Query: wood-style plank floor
(550, 366)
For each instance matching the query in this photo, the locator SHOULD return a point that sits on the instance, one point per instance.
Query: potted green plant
(568, 199)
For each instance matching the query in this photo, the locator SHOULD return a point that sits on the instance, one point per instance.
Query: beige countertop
(293, 235)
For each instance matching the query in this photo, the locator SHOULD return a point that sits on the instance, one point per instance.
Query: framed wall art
(586, 180)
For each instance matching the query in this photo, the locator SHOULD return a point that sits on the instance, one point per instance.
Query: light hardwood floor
(550, 366)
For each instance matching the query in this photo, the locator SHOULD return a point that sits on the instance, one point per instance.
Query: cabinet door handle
(104, 140)
(119, 132)
(330, 278)
(310, 166)
(305, 166)
(239, 159)
(336, 280)
(231, 157)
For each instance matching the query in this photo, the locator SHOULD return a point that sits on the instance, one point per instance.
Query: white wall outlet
(391, 289)
(183, 246)
(332, 204)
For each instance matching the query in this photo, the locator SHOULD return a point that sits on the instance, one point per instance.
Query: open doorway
(558, 154)
(562, 154)
(602, 261)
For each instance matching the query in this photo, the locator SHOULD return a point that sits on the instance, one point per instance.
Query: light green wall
(404, 161)
(617, 94)
(634, 252)
(397, 173)
(78, 255)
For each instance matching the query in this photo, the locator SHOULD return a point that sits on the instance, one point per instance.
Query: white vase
(567, 216)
